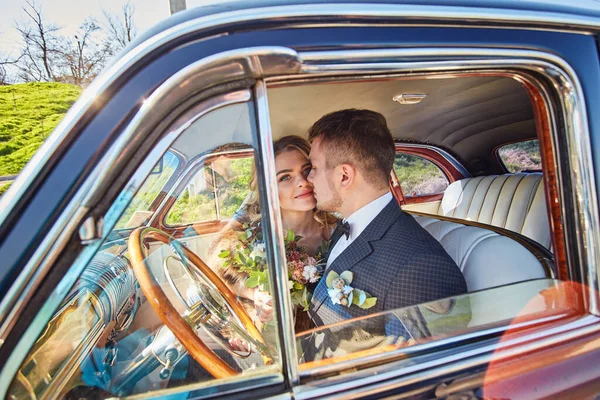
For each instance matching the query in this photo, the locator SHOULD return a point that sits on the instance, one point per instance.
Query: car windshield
(145, 202)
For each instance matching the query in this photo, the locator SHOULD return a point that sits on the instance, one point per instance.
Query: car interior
(492, 220)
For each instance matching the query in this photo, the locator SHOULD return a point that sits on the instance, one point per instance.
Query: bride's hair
(251, 208)
(250, 212)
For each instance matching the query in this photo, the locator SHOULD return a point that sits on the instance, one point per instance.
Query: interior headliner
(469, 116)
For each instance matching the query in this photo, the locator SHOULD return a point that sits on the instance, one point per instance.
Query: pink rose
(297, 276)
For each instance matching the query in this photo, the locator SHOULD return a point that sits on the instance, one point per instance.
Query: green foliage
(418, 176)
(4, 188)
(521, 156)
(28, 114)
(231, 191)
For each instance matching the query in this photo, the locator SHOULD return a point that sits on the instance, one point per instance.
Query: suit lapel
(358, 249)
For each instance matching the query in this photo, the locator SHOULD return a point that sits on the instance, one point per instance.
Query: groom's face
(325, 190)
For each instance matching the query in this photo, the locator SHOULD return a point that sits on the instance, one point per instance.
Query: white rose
(310, 273)
(258, 250)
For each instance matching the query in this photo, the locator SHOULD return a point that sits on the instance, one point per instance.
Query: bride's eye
(284, 178)
(306, 171)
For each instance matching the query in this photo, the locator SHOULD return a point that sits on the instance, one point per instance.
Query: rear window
(419, 176)
(522, 156)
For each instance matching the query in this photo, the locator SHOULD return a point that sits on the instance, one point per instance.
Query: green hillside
(28, 113)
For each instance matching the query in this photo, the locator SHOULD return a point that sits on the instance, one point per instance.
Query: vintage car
(105, 236)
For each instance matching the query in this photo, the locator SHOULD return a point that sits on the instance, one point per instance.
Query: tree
(6, 61)
(42, 47)
(121, 29)
(85, 56)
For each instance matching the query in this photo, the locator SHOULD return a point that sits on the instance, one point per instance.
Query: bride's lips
(305, 195)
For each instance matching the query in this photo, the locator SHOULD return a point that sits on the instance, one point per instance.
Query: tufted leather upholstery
(486, 259)
(514, 201)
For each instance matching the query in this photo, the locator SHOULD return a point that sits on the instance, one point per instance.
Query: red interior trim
(396, 189)
(542, 122)
(440, 161)
(424, 199)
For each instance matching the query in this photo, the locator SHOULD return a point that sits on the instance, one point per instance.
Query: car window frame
(271, 201)
(446, 163)
(356, 64)
(498, 158)
(586, 153)
(194, 166)
(242, 84)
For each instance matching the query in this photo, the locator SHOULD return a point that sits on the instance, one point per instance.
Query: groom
(390, 255)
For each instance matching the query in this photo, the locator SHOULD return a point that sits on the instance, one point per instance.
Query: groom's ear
(348, 175)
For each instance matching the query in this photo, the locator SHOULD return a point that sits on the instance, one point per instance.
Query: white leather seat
(514, 201)
(487, 259)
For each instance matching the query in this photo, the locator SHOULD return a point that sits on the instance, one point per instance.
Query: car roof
(576, 9)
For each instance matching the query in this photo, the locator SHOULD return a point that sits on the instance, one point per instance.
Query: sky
(69, 14)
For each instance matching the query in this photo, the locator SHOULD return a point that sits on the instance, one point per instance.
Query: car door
(110, 145)
(93, 323)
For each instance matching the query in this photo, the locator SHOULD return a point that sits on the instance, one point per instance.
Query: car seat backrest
(513, 201)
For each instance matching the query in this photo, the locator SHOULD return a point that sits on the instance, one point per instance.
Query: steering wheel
(201, 313)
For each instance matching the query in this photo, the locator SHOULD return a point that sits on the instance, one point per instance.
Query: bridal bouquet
(249, 256)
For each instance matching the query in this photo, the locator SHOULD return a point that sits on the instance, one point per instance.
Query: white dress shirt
(358, 221)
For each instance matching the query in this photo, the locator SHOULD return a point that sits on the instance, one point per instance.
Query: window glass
(215, 192)
(418, 176)
(148, 312)
(138, 211)
(521, 156)
(424, 323)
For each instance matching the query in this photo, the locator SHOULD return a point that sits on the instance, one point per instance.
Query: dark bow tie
(342, 228)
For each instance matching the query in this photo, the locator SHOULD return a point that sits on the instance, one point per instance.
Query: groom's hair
(360, 138)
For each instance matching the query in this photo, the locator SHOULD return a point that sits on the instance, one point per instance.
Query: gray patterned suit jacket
(395, 260)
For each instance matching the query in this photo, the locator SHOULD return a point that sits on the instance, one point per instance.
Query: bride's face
(295, 192)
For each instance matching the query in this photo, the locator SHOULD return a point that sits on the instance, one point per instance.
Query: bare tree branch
(86, 56)
(121, 29)
(42, 46)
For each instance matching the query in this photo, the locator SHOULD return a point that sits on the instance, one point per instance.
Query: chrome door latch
(91, 229)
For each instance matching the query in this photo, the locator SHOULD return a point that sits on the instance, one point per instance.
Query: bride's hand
(263, 303)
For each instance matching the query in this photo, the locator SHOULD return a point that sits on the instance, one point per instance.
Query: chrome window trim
(270, 198)
(321, 66)
(373, 14)
(190, 170)
(112, 216)
(392, 374)
(250, 63)
(243, 65)
(447, 156)
(234, 385)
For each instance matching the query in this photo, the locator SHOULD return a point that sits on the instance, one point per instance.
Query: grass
(28, 114)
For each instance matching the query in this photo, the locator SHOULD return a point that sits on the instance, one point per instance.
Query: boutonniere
(340, 291)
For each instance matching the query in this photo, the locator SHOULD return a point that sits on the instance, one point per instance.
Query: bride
(298, 214)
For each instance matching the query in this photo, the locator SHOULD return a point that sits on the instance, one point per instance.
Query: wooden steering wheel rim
(170, 316)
